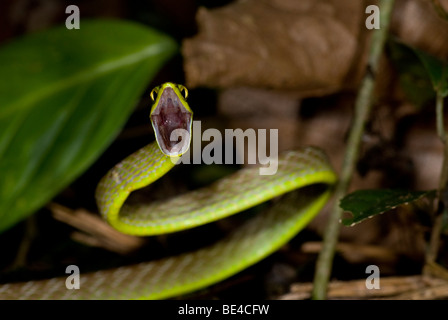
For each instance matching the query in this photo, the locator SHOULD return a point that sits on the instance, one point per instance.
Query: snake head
(171, 118)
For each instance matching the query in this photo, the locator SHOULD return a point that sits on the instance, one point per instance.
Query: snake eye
(183, 90)
(154, 91)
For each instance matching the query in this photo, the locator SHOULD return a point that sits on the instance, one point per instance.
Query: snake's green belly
(173, 276)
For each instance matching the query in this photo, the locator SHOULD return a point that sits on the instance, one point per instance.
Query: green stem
(441, 210)
(442, 135)
(439, 118)
(363, 106)
(440, 10)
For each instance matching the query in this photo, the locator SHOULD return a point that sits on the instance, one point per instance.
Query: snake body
(173, 276)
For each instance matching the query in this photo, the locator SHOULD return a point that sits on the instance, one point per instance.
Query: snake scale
(304, 178)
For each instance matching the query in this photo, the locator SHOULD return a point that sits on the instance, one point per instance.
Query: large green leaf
(64, 95)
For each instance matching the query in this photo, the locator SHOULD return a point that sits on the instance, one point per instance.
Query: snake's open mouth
(172, 124)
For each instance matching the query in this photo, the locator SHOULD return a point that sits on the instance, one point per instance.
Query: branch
(362, 110)
(441, 210)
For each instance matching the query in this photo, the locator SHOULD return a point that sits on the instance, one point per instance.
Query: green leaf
(364, 204)
(64, 95)
(412, 75)
(437, 70)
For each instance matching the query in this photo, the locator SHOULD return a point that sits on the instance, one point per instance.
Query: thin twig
(25, 245)
(362, 110)
(439, 118)
(441, 209)
(407, 287)
(355, 252)
(95, 231)
(443, 185)
(434, 241)
(440, 10)
(435, 270)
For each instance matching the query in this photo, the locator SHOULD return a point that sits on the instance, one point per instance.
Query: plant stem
(363, 106)
(442, 135)
(441, 209)
(439, 9)
(439, 118)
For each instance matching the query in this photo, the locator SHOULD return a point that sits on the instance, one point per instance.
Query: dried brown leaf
(309, 47)
(306, 45)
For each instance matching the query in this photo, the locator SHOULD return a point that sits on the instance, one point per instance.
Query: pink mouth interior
(169, 115)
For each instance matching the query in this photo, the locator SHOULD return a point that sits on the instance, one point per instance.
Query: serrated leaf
(64, 95)
(437, 70)
(364, 204)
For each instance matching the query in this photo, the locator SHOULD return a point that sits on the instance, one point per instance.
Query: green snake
(304, 178)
